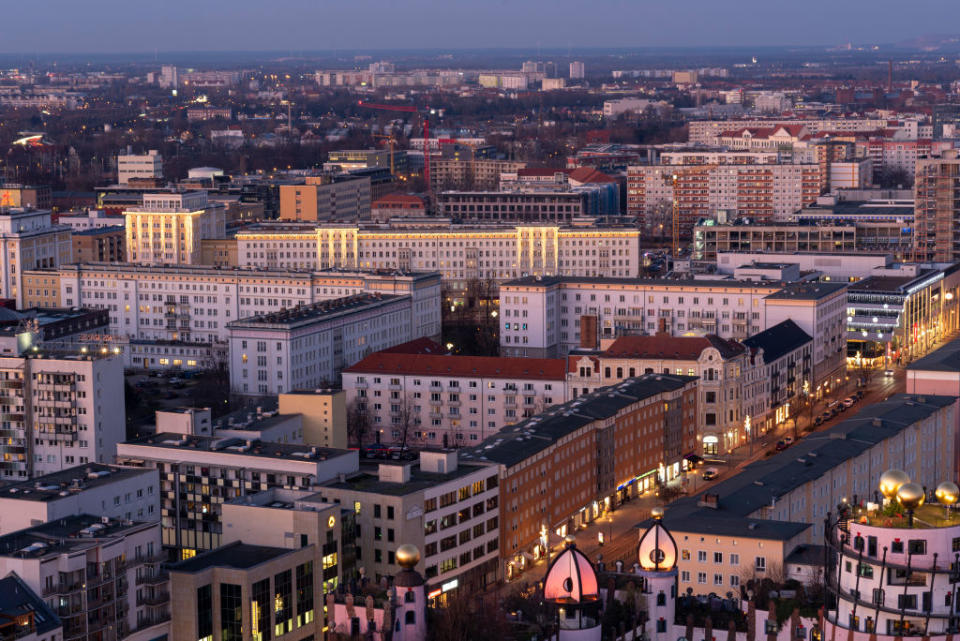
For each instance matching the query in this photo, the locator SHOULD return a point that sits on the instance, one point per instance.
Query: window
(718, 557)
(231, 612)
(702, 578)
(734, 581)
(907, 601)
(283, 603)
(205, 613)
(718, 579)
(734, 559)
(761, 563)
(917, 546)
(702, 556)
(261, 621)
(865, 570)
(684, 555)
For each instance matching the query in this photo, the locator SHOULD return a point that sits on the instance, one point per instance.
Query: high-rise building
(63, 411)
(169, 77)
(937, 214)
(139, 166)
(324, 198)
(28, 240)
(576, 70)
(168, 227)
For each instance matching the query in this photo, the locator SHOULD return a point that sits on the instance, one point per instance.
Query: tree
(405, 420)
(468, 617)
(358, 422)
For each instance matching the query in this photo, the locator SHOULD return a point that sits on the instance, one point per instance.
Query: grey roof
(807, 555)
(17, 599)
(520, 441)
(50, 487)
(290, 451)
(807, 291)
(236, 555)
(316, 312)
(603, 280)
(64, 535)
(778, 340)
(369, 481)
(763, 482)
(944, 359)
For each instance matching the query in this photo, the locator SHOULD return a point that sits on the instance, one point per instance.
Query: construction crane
(423, 115)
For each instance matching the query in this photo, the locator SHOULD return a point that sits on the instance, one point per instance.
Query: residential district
(412, 349)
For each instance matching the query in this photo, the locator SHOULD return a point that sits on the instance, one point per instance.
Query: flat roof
(64, 534)
(73, 480)
(944, 359)
(369, 481)
(807, 291)
(731, 283)
(239, 446)
(316, 312)
(237, 555)
(892, 284)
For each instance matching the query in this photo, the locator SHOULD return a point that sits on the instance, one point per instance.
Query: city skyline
(428, 24)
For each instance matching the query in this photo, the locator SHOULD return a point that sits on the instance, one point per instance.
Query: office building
(139, 166)
(570, 465)
(29, 241)
(100, 245)
(307, 347)
(340, 197)
(447, 507)
(242, 591)
(724, 368)
(438, 400)
(535, 204)
(467, 174)
(199, 473)
(63, 411)
(100, 576)
(116, 492)
(168, 227)
(711, 240)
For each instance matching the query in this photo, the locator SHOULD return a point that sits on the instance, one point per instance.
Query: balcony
(159, 598)
(62, 588)
(529, 392)
(153, 578)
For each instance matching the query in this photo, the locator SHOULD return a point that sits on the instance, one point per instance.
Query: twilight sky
(108, 26)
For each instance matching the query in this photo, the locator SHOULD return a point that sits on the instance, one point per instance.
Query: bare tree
(358, 422)
(405, 419)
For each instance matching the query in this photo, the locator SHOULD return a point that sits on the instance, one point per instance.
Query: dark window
(661, 598)
(261, 620)
(305, 594)
(303, 540)
(917, 546)
(283, 602)
(907, 601)
(231, 612)
(661, 625)
(411, 618)
(204, 611)
(872, 546)
(896, 547)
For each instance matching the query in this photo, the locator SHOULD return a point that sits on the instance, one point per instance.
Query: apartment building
(521, 206)
(139, 166)
(397, 205)
(242, 591)
(323, 415)
(470, 173)
(461, 253)
(764, 192)
(937, 217)
(307, 347)
(723, 367)
(782, 377)
(194, 304)
(199, 473)
(115, 492)
(168, 227)
(100, 576)
(296, 519)
(99, 245)
(28, 240)
(437, 400)
(706, 131)
(59, 412)
(710, 239)
(447, 507)
(745, 527)
(340, 197)
(568, 466)
(548, 317)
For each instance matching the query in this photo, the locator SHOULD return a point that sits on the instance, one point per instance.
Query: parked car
(376, 450)
(710, 473)
(818, 420)
(849, 401)
(788, 440)
(781, 445)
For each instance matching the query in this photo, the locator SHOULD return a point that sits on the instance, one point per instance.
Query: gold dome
(890, 482)
(947, 493)
(569, 540)
(657, 513)
(910, 495)
(408, 556)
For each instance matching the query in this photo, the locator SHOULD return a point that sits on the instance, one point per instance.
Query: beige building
(325, 198)
(243, 591)
(469, 173)
(28, 240)
(167, 229)
(218, 252)
(323, 414)
(937, 216)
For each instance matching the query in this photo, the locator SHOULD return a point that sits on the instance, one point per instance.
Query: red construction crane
(423, 114)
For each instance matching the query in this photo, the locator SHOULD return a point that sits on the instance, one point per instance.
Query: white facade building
(577, 71)
(92, 219)
(28, 240)
(307, 347)
(149, 165)
(60, 412)
(168, 227)
(449, 401)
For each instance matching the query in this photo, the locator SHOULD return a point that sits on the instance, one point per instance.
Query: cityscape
(427, 322)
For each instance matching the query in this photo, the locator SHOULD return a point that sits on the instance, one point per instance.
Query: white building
(92, 219)
(449, 401)
(460, 253)
(620, 106)
(194, 304)
(168, 227)
(169, 77)
(548, 317)
(98, 574)
(28, 240)
(62, 412)
(577, 70)
(307, 347)
(108, 490)
(148, 165)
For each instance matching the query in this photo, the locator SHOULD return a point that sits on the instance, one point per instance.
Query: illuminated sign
(435, 593)
(331, 521)
(450, 585)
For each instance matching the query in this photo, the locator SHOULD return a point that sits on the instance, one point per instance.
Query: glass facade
(231, 612)
(205, 613)
(260, 610)
(282, 603)
(304, 594)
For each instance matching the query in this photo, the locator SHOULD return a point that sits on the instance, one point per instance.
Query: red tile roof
(590, 175)
(549, 369)
(416, 346)
(391, 200)
(675, 347)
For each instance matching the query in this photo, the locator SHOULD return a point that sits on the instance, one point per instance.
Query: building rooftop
(520, 441)
(316, 312)
(778, 340)
(890, 284)
(667, 346)
(807, 291)
(551, 369)
(239, 446)
(729, 283)
(99, 231)
(237, 555)
(62, 535)
(18, 600)
(66, 483)
(369, 481)
(944, 359)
